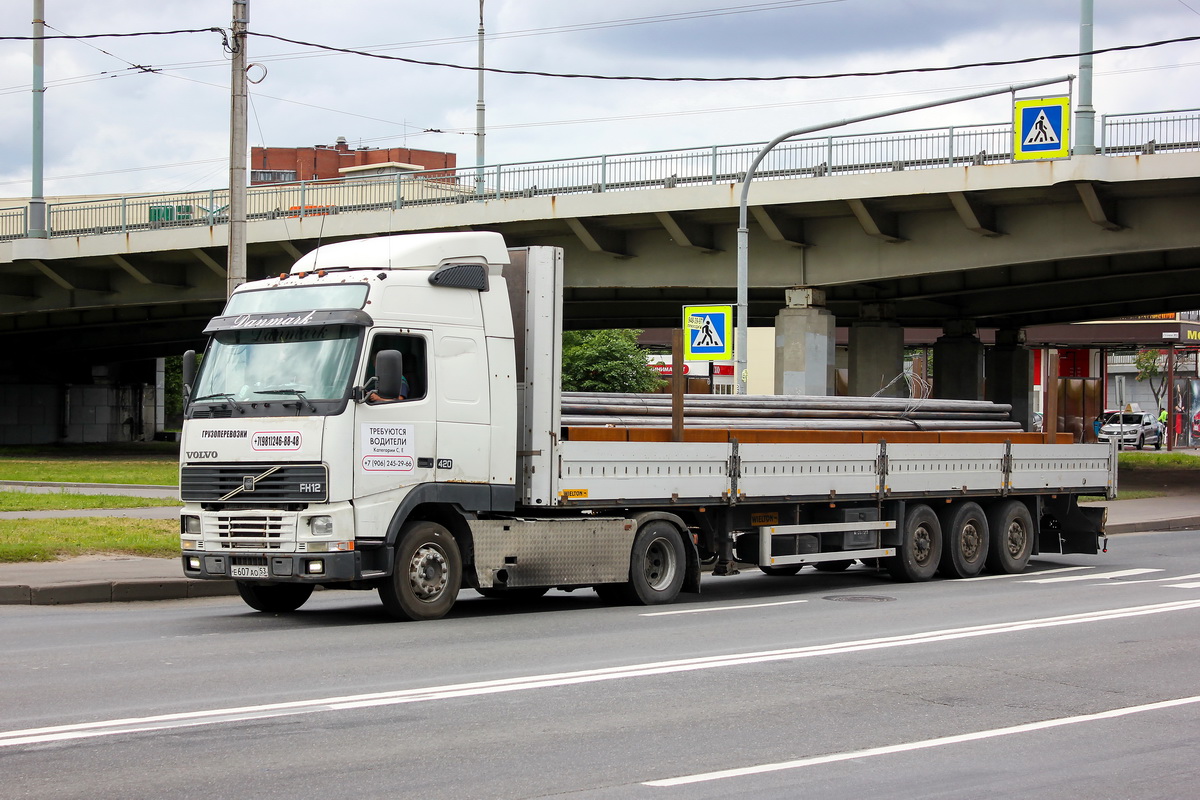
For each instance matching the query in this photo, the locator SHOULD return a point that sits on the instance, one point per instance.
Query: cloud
(105, 116)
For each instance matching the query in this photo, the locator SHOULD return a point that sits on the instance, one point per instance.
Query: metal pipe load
(787, 412)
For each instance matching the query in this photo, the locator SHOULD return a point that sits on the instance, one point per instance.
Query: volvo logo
(248, 483)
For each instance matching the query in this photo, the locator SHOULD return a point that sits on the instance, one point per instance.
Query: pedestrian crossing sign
(709, 333)
(1042, 128)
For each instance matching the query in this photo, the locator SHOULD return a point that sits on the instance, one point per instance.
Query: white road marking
(1193, 585)
(922, 745)
(720, 608)
(1096, 576)
(1022, 574)
(1157, 580)
(552, 680)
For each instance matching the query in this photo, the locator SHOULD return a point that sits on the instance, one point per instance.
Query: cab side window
(412, 348)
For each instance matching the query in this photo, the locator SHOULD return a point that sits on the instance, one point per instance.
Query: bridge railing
(14, 223)
(921, 148)
(1125, 134)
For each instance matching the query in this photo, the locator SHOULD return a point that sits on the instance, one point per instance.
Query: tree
(1149, 366)
(606, 361)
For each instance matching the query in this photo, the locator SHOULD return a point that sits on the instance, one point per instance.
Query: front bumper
(279, 567)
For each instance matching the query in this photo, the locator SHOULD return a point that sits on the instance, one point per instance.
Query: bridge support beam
(805, 345)
(958, 363)
(876, 356)
(1009, 369)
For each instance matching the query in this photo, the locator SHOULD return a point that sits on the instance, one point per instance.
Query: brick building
(324, 161)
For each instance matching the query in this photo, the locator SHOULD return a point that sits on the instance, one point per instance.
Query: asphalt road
(1080, 678)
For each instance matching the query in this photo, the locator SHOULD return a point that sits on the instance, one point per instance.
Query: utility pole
(37, 201)
(236, 266)
(479, 129)
(1085, 114)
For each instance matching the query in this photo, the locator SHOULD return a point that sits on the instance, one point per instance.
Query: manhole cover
(859, 598)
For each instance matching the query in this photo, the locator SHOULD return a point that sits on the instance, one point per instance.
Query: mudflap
(1068, 528)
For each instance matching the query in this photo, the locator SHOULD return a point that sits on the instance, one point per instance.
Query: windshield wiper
(223, 396)
(296, 392)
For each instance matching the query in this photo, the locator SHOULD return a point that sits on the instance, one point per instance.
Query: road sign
(1042, 128)
(709, 333)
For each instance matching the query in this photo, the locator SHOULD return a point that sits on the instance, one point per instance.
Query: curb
(113, 591)
(1148, 526)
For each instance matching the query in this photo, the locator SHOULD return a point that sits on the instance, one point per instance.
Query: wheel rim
(972, 542)
(660, 564)
(1015, 541)
(922, 544)
(428, 572)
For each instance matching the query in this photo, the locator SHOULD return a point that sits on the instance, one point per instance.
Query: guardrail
(923, 148)
(14, 223)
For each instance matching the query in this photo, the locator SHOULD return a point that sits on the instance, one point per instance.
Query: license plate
(249, 572)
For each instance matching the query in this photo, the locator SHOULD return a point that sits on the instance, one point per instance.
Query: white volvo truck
(386, 416)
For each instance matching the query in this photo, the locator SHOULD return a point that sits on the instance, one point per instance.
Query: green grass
(1127, 494)
(51, 539)
(1157, 460)
(56, 501)
(153, 463)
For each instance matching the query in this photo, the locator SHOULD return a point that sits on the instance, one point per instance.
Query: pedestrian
(1097, 423)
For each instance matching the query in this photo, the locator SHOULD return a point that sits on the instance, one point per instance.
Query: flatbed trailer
(470, 480)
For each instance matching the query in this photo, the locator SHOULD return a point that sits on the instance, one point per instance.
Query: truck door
(395, 442)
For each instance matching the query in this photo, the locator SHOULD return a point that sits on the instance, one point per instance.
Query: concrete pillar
(958, 363)
(805, 345)
(1009, 369)
(876, 354)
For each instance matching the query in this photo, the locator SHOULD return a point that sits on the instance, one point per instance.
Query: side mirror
(189, 373)
(389, 369)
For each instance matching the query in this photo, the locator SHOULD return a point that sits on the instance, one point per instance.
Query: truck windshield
(297, 298)
(272, 363)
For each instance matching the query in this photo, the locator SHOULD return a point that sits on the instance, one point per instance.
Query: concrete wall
(31, 413)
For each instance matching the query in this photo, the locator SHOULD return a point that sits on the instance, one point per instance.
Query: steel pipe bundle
(781, 411)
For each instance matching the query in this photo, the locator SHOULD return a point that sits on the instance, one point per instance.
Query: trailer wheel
(1012, 537)
(782, 571)
(920, 546)
(427, 575)
(833, 566)
(277, 598)
(657, 566)
(964, 540)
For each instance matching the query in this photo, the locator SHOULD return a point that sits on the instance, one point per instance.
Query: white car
(1137, 428)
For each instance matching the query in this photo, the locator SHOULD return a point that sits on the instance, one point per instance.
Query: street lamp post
(743, 230)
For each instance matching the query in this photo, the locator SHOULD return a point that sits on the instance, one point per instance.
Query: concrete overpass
(957, 242)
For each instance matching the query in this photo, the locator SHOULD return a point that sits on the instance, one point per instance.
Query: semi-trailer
(387, 416)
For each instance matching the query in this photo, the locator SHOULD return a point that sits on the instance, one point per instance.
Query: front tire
(274, 598)
(920, 547)
(427, 574)
(964, 540)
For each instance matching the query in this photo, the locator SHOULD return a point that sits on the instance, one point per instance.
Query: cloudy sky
(151, 113)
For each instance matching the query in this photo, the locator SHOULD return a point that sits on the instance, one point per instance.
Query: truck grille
(255, 483)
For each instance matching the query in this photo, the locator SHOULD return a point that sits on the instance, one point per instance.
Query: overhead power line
(727, 79)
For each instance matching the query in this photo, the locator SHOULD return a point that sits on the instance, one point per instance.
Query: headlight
(190, 524)
(321, 526)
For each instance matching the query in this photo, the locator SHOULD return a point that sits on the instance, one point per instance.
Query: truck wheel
(515, 593)
(427, 576)
(964, 540)
(782, 571)
(277, 598)
(833, 566)
(1012, 537)
(920, 546)
(657, 565)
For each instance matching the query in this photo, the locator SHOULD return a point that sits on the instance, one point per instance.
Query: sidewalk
(103, 579)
